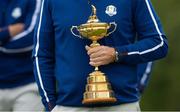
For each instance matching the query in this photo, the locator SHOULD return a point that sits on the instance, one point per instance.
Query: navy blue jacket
(15, 54)
(60, 56)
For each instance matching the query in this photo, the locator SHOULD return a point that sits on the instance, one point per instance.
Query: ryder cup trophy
(98, 88)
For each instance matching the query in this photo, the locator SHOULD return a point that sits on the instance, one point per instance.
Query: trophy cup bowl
(94, 31)
(98, 88)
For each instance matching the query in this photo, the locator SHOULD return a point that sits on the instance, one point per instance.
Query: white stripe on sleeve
(29, 30)
(33, 22)
(158, 30)
(145, 75)
(25, 49)
(36, 52)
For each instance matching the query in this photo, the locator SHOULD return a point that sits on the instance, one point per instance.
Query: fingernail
(91, 63)
(87, 47)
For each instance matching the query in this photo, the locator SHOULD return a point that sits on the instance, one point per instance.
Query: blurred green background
(163, 91)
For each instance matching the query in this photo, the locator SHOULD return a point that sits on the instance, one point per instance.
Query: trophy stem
(94, 43)
(96, 68)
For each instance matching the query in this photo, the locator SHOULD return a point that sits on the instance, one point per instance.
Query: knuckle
(104, 47)
(104, 52)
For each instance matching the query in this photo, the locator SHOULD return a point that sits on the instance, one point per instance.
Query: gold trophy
(98, 88)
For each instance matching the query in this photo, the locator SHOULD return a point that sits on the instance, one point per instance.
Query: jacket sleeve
(151, 42)
(23, 42)
(4, 36)
(144, 71)
(43, 57)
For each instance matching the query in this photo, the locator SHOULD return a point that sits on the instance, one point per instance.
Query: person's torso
(72, 61)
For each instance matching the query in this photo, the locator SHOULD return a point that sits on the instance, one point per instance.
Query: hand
(16, 29)
(101, 55)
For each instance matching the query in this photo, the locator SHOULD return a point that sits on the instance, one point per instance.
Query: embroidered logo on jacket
(111, 10)
(16, 13)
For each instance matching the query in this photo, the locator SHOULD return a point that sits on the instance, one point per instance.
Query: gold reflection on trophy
(98, 88)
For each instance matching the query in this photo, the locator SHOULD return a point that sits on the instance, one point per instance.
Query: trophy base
(99, 101)
(98, 90)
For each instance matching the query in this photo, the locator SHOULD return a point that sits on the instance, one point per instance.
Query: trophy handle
(115, 26)
(72, 31)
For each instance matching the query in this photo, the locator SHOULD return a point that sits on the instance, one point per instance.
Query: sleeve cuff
(120, 54)
(4, 36)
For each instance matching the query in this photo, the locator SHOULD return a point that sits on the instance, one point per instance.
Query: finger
(94, 49)
(96, 55)
(87, 47)
(97, 63)
(98, 59)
